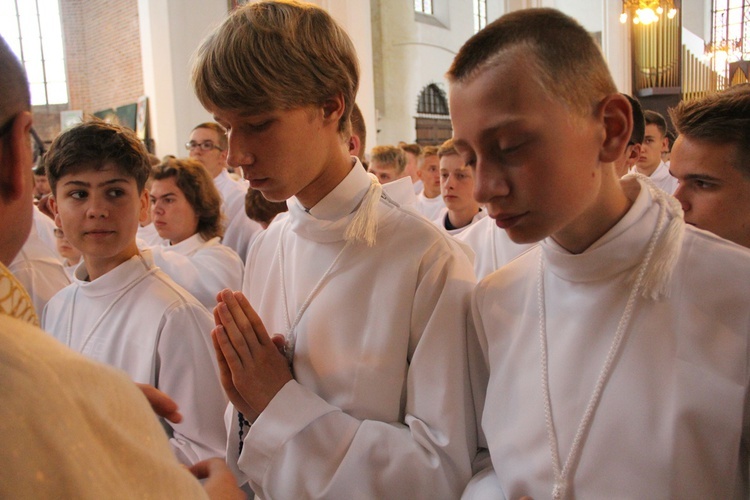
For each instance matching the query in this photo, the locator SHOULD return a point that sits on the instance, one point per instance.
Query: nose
(97, 208)
(489, 181)
(681, 195)
(236, 156)
(156, 207)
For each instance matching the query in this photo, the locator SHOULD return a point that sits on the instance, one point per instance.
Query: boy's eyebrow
(76, 182)
(503, 123)
(698, 177)
(163, 195)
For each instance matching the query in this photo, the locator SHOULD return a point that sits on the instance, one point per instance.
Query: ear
(354, 145)
(617, 117)
(143, 210)
(635, 153)
(665, 144)
(333, 109)
(16, 159)
(52, 201)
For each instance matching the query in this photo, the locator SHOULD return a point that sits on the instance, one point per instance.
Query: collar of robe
(347, 213)
(623, 247)
(116, 279)
(190, 245)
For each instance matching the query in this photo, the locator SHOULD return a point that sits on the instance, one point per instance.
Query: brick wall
(102, 57)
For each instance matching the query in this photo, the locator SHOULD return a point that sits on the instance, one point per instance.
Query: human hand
(163, 405)
(220, 483)
(252, 368)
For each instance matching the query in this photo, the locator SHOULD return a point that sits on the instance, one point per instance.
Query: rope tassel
(364, 225)
(671, 229)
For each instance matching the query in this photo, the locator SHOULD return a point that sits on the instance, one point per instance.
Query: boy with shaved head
(602, 368)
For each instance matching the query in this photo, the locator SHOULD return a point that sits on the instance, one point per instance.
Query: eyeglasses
(59, 233)
(205, 145)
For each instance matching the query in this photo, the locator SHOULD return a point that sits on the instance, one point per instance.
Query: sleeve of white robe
(240, 230)
(188, 373)
(203, 274)
(484, 484)
(303, 447)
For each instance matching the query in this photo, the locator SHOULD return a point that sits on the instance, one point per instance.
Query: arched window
(32, 30)
(433, 124)
(432, 101)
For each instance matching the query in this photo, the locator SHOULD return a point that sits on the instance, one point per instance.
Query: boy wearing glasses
(208, 145)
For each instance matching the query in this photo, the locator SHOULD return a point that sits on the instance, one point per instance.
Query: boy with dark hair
(602, 368)
(633, 150)
(711, 161)
(121, 309)
(208, 145)
(375, 329)
(655, 142)
(70, 427)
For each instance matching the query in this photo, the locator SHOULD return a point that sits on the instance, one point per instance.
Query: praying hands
(252, 367)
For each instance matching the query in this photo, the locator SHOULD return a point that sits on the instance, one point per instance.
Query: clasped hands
(252, 366)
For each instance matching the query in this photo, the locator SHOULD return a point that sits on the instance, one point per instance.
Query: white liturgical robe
(380, 405)
(137, 319)
(673, 417)
(201, 267)
(492, 246)
(239, 229)
(662, 178)
(442, 218)
(429, 207)
(39, 269)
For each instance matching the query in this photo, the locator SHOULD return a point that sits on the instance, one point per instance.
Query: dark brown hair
(199, 190)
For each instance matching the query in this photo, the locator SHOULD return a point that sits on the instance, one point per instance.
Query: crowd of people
(548, 304)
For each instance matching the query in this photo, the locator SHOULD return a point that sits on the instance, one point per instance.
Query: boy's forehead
(653, 130)
(97, 172)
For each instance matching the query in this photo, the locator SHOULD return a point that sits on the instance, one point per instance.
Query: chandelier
(647, 11)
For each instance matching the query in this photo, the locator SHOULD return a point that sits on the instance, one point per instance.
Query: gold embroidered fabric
(14, 299)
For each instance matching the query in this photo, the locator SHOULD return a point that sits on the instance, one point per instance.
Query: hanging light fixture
(647, 11)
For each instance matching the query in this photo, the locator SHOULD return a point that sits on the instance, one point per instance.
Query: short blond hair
(567, 63)
(447, 149)
(427, 151)
(280, 54)
(389, 155)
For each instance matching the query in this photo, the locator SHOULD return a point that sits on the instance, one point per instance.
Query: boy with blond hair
(121, 309)
(383, 384)
(387, 163)
(602, 368)
(429, 202)
(456, 188)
